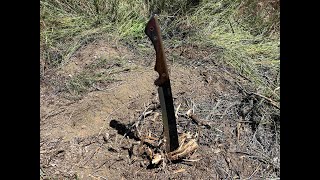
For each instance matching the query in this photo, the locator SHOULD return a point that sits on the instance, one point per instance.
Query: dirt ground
(87, 137)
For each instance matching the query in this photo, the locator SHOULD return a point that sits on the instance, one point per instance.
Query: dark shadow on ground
(123, 129)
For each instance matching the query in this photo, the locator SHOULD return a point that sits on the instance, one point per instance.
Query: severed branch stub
(149, 147)
(187, 146)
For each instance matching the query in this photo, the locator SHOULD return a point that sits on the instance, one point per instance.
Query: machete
(152, 30)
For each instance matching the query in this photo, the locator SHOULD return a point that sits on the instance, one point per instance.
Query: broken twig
(196, 120)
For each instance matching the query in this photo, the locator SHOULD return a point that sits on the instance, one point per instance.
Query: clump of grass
(95, 76)
(84, 82)
(259, 17)
(66, 25)
(251, 51)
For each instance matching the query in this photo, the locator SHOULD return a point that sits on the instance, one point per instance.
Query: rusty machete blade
(168, 116)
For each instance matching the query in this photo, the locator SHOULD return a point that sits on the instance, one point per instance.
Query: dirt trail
(78, 142)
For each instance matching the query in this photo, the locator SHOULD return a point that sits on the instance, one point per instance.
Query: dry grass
(236, 43)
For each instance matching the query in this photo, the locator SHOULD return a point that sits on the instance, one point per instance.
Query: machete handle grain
(152, 30)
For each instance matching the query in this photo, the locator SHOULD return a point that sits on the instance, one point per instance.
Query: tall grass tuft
(250, 40)
(247, 31)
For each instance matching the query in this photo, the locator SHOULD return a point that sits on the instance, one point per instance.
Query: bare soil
(80, 141)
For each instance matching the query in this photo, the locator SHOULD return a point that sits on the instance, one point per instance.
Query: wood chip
(149, 152)
(155, 116)
(156, 159)
(178, 171)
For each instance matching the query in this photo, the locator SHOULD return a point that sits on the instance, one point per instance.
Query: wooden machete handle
(152, 30)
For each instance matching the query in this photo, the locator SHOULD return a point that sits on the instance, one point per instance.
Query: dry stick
(142, 117)
(264, 158)
(92, 154)
(53, 113)
(217, 173)
(178, 171)
(42, 173)
(276, 89)
(272, 102)
(225, 172)
(191, 160)
(213, 109)
(201, 123)
(231, 25)
(261, 159)
(196, 119)
(102, 164)
(243, 121)
(225, 111)
(193, 107)
(93, 176)
(136, 124)
(238, 131)
(71, 115)
(254, 138)
(254, 171)
(268, 99)
(177, 111)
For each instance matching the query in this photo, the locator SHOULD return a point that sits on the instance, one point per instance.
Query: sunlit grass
(246, 31)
